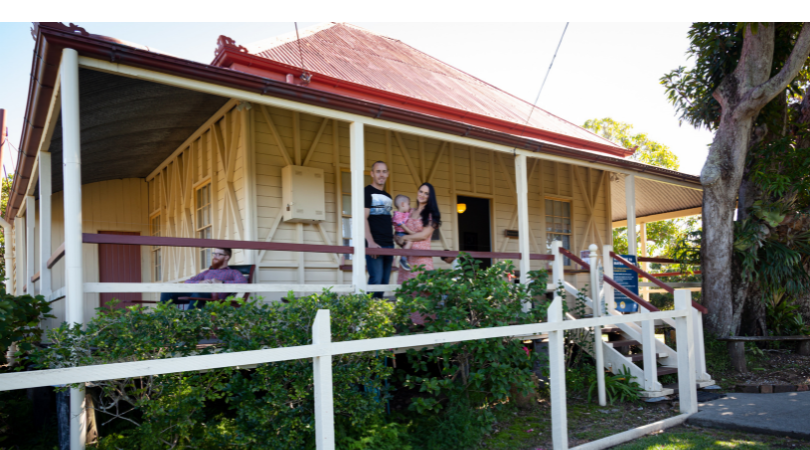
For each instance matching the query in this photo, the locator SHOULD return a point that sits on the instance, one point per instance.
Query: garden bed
(771, 368)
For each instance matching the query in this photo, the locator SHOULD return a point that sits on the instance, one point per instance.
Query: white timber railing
(322, 349)
(643, 331)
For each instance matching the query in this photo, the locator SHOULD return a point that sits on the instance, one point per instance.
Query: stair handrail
(654, 280)
(650, 377)
(610, 281)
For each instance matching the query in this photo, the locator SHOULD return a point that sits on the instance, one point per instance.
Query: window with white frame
(558, 223)
(204, 222)
(346, 202)
(157, 261)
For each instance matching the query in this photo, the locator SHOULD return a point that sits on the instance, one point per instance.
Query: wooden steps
(640, 357)
(625, 343)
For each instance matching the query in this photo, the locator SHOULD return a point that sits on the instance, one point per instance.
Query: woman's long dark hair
(431, 212)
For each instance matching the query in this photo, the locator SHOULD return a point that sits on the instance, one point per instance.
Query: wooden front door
(122, 264)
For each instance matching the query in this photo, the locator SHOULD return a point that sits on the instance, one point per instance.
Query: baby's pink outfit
(400, 218)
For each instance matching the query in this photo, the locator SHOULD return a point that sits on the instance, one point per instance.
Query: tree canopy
(6, 188)
(647, 150)
(750, 84)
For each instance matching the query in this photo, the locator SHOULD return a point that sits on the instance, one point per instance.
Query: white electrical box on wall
(303, 194)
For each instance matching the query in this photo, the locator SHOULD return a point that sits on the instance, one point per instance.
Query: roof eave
(53, 37)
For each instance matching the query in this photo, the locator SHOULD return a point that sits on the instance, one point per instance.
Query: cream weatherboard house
(134, 163)
(173, 148)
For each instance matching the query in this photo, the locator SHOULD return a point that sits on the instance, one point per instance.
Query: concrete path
(776, 414)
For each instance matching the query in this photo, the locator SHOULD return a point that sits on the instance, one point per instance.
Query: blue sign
(627, 279)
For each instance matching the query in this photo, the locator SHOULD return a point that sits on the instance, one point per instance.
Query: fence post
(700, 351)
(322, 369)
(556, 361)
(686, 352)
(607, 266)
(597, 330)
(650, 361)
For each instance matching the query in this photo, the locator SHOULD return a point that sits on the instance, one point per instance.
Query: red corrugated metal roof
(356, 55)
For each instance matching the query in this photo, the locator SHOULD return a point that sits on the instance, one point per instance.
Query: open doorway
(474, 233)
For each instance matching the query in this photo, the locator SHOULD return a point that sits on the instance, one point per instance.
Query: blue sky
(602, 70)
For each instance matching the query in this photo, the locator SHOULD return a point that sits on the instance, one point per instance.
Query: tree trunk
(741, 96)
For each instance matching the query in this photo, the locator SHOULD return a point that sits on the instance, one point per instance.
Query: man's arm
(196, 279)
(369, 239)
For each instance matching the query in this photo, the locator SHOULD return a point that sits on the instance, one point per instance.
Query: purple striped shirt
(226, 275)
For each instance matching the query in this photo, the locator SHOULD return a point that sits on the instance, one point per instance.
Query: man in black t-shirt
(379, 228)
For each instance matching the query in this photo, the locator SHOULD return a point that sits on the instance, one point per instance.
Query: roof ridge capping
(281, 39)
(81, 31)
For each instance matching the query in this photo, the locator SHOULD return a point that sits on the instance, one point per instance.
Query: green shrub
(270, 406)
(618, 388)
(476, 373)
(19, 321)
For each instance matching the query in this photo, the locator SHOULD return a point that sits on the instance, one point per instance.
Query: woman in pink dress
(424, 219)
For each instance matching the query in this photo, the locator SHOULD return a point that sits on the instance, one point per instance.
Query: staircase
(633, 343)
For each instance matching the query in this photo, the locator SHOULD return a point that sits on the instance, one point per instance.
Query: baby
(400, 218)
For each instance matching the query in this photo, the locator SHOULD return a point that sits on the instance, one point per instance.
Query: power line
(536, 99)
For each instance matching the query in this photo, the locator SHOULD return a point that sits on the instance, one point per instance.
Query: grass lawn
(531, 430)
(695, 438)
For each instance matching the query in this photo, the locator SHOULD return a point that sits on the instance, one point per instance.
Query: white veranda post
(30, 231)
(358, 165)
(642, 228)
(44, 223)
(19, 255)
(71, 160)
(524, 234)
(630, 201)
(597, 330)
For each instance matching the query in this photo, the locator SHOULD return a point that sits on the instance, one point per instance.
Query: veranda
(237, 153)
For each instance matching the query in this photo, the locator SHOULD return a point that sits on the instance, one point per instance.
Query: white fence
(322, 350)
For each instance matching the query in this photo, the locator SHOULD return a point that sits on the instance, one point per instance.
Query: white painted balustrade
(322, 349)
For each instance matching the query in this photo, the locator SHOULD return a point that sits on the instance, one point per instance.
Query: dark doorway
(120, 264)
(473, 227)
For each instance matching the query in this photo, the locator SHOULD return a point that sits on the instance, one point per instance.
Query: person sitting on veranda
(219, 272)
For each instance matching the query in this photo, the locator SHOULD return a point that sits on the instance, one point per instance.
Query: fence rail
(322, 350)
